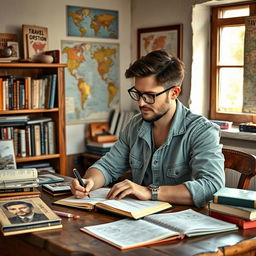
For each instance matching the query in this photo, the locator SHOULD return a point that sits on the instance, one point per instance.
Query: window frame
(216, 23)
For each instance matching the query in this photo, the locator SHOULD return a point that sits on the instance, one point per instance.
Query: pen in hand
(78, 176)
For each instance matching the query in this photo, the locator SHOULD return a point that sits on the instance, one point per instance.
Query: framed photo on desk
(156, 38)
(7, 157)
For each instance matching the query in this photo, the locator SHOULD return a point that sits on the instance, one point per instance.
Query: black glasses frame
(152, 95)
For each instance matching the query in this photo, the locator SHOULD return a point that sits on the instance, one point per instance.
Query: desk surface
(71, 241)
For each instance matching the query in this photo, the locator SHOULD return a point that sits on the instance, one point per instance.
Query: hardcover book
(236, 197)
(26, 215)
(57, 189)
(18, 178)
(157, 228)
(128, 207)
(49, 178)
(35, 40)
(241, 223)
(14, 192)
(238, 211)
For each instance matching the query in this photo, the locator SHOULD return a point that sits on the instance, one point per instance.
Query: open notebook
(157, 228)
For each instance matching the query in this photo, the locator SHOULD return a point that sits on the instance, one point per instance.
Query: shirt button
(155, 162)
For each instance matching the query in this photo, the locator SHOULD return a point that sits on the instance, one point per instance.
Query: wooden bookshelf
(34, 70)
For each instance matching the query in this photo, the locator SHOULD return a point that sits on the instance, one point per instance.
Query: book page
(132, 205)
(190, 221)
(127, 233)
(126, 204)
(96, 196)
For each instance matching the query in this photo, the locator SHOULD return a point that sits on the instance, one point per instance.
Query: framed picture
(156, 38)
(14, 46)
(7, 157)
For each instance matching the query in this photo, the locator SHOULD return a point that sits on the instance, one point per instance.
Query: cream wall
(52, 14)
(152, 13)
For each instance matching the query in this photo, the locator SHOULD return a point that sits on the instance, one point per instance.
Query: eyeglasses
(146, 96)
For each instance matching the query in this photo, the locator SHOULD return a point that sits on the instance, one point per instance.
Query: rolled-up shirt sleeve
(207, 164)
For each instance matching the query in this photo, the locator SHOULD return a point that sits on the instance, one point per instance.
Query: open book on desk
(157, 228)
(128, 207)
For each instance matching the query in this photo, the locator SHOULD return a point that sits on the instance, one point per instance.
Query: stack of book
(57, 189)
(98, 148)
(21, 208)
(18, 182)
(236, 206)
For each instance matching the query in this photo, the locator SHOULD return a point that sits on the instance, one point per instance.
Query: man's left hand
(129, 188)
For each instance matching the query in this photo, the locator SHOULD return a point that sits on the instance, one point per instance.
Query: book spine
(51, 141)
(234, 201)
(37, 140)
(22, 143)
(13, 190)
(53, 91)
(1, 94)
(241, 223)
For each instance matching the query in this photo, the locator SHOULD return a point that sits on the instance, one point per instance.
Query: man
(174, 155)
(23, 211)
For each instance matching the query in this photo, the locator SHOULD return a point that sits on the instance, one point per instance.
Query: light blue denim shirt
(191, 155)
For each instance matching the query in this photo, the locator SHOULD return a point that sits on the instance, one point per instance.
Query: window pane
(230, 90)
(237, 12)
(232, 45)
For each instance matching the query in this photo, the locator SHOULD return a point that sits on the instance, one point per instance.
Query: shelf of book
(52, 107)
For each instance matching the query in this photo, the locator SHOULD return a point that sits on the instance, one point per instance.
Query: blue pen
(78, 176)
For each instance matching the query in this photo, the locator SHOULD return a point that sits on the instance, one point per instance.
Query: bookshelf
(34, 70)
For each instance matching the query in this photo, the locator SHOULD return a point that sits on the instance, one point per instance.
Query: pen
(78, 176)
(65, 214)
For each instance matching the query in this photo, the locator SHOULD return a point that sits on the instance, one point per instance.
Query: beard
(155, 117)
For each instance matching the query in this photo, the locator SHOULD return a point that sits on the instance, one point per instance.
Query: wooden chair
(242, 162)
(243, 248)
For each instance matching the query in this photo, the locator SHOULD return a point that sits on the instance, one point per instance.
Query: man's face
(152, 112)
(20, 210)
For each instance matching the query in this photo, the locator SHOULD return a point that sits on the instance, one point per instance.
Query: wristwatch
(154, 191)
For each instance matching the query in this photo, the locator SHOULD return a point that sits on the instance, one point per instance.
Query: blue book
(236, 197)
(53, 90)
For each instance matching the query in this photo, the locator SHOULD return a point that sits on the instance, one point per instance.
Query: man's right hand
(79, 191)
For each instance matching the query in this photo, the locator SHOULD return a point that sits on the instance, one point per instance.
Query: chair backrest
(242, 162)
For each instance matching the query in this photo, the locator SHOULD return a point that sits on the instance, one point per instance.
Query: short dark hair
(168, 70)
(15, 203)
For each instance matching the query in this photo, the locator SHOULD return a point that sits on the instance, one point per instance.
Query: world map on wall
(91, 22)
(159, 40)
(91, 80)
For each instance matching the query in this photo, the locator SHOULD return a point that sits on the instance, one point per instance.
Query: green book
(236, 197)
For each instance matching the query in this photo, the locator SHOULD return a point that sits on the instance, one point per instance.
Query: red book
(241, 223)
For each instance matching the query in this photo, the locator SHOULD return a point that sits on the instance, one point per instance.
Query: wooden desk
(71, 241)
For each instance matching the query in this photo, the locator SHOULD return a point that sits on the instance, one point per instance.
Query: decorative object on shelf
(91, 22)
(4, 39)
(156, 38)
(55, 54)
(14, 47)
(42, 58)
(7, 158)
(35, 40)
(99, 132)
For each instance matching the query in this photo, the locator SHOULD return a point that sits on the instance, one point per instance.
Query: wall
(52, 14)
(152, 13)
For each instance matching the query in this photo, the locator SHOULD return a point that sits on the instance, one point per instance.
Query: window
(227, 62)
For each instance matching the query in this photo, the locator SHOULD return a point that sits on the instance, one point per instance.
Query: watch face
(153, 186)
